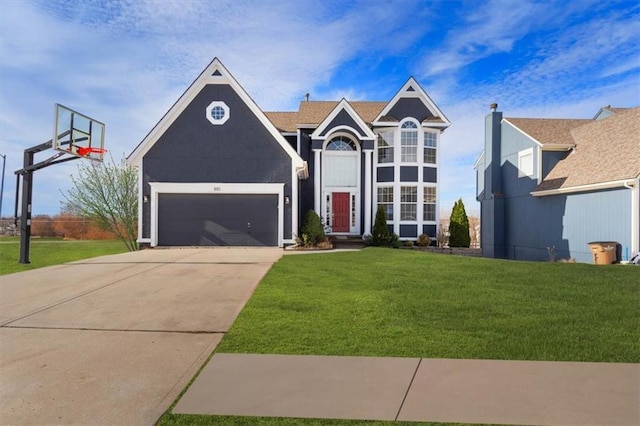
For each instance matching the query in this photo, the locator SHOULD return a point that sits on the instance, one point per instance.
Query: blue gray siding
(567, 223)
(516, 225)
(550, 159)
(343, 119)
(240, 151)
(492, 200)
(410, 107)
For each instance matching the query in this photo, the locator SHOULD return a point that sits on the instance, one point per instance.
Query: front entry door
(341, 211)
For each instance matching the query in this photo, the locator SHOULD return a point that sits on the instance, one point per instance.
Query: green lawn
(383, 302)
(49, 251)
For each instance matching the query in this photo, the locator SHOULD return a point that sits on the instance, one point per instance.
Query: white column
(317, 189)
(367, 191)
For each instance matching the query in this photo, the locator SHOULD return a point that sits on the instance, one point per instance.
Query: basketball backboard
(76, 134)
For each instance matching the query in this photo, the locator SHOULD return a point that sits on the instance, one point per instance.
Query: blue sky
(126, 62)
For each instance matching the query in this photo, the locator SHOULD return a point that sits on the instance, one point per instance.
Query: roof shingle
(548, 130)
(606, 150)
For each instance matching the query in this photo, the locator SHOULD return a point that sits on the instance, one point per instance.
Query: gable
(193, 150)
(412, 101)
(343, 117)
(410, 107)
(216, 76)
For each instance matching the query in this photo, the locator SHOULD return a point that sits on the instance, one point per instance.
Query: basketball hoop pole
(27, 192)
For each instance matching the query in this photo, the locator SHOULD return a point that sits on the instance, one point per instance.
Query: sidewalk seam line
(408, 389)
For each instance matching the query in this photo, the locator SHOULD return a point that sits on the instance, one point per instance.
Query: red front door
(341, 211)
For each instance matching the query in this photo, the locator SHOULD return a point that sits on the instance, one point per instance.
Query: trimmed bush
(312, 230)
(459, 226)
(380, 236)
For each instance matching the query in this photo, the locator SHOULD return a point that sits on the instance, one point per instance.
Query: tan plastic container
(604, 252)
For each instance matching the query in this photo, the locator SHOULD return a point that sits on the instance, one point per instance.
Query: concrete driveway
(115, 339)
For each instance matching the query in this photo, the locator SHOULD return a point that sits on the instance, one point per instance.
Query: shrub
(459, 226)
(424, 240)
(312, 230)
(381, 234)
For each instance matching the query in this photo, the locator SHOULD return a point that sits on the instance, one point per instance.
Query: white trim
(368, 185)
(477, 162)
(294, 201)
(211, 106)
(635, 215)
(213, 188)
(584, 188)
(352, 190)
(205, 78)
(560, 147)
(418, 92)
(538, 163)
(344, 105)
(316, 181)
(140, 205)
(545, 146)
(534, 140)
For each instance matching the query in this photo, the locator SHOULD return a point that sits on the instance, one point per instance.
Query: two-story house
(217, 170)
(548, 187)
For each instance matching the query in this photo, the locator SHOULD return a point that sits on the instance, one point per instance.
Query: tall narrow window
(385, 147)
(429, 204)
(430, 141)
(327, 212)
(409, 142)
(408, 202)
(385, 199)
(353, 210)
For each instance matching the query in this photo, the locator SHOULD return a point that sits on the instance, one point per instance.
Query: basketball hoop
(86, 151)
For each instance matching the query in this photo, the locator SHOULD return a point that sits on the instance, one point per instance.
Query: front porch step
(346, 241)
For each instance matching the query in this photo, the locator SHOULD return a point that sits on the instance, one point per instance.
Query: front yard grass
(53, 251)
(383, 302)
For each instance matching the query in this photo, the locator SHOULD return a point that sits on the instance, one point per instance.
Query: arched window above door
(341, 143)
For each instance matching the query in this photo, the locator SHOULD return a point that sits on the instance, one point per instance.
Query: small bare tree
(107, 194)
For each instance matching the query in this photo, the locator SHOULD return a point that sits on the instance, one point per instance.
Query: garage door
(218, 220)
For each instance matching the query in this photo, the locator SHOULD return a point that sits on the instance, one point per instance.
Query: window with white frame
(430, 144)
(341, 143)
(429, 204)
(409, 142)
(408, 202)
(525, 163)
(217, 112)
(385, 147)
(385, 199)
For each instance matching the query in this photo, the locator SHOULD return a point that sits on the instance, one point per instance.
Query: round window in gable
(217, 112)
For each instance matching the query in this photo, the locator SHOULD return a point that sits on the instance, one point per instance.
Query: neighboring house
(558, 184)
(217, 170)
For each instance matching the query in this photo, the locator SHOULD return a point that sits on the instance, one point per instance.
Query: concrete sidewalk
(413, 389)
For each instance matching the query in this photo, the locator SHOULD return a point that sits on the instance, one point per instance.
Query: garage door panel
(218, 219)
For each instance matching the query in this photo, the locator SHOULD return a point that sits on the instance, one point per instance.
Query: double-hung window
(385, 199)
(429, 204)
(409, 142)
(385, 147)
(408, 202)
(430, 141)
